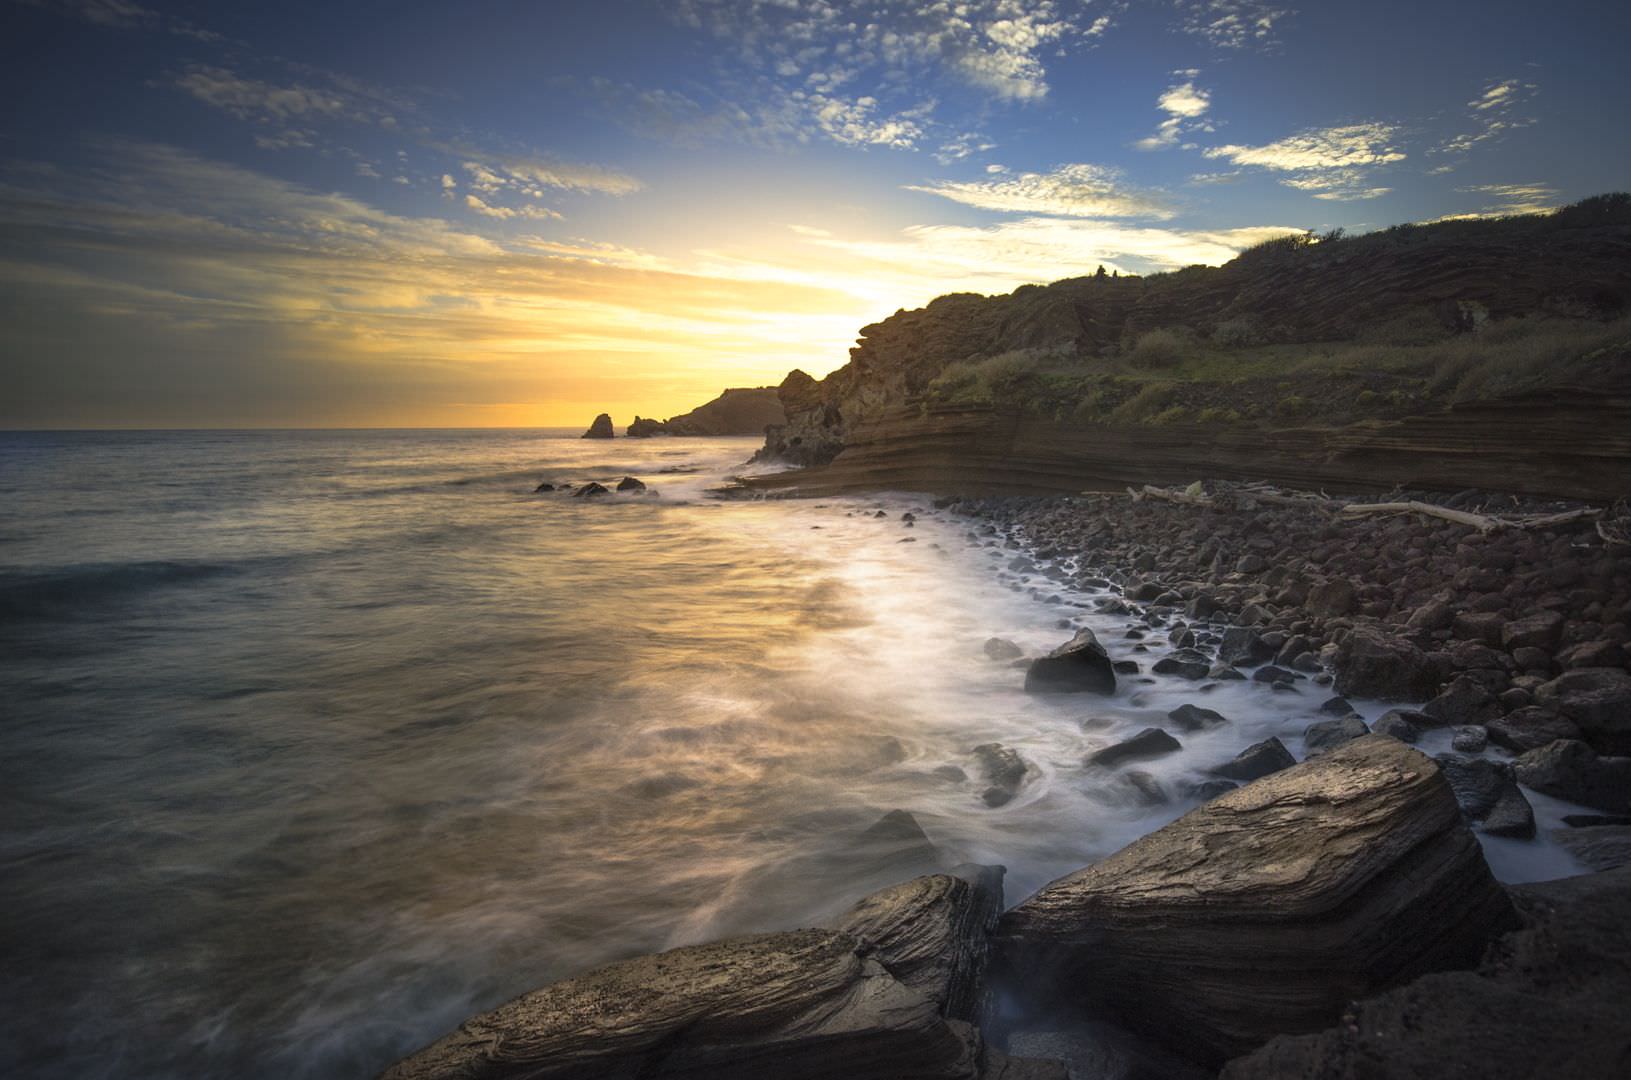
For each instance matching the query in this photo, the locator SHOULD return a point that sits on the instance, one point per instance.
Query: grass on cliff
(1410, 364)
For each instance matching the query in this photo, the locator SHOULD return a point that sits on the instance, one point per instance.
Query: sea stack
(601, 428)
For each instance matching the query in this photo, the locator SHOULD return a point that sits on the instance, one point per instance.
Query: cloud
(1333, 161)
(1232, 24)
(962, 146)
(529, 174)
(1491, 115)
(1512, 199)
(252, 99)
(1078, 190)
(535, 213)
(1181, 102)
(124, 15)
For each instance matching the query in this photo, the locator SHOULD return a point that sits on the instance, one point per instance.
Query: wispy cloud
(1332, 163)
(1233, 24)
(1499, 109)
(125, 15)
(1076, 190)
(1184, 103)
(506, 213)
(1511, 199)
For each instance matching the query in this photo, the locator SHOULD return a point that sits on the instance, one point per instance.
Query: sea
(317, 742)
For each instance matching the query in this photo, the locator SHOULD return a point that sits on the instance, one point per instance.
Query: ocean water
(317, 742)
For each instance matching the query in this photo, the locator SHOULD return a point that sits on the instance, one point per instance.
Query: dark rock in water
(1602, 848)
(1125, 667)
(1469, 740)
(1210, 789)
(1002, 649)
(1146, 788)
(1465, 701)
(1548, 1001)
(1184, 669)
(1324, 735)
(1271, 674)
(1571, 770)
(1374, 664)
(817, 1003)
(931, 933)
(591, 489)
(1004, 769)
(1511, 816)
(1242, 645)
(1598, 700)
(1257, 761)
(545, 486)
(1395, 726)
(1592, 821)
(897, 826)
(1488, 793)
(1079, 665)
(1149, 743)
(1225, 673)
(601, 428)
(1195, 718)
(1418, 720)
(1267, 909)
(629, 483)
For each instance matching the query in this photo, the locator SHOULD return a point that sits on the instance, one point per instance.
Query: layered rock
(1267, 909)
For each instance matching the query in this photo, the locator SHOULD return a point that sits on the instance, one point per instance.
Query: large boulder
(1598, 700)
(1243, 645)
(1373, 664)
(601, 428)
(1257, 761)
(877, 997)
(1269, 908)
(1569, 769)
(1080, 664)
(1548, 1001)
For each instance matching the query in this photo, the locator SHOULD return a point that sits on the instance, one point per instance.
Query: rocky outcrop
(601, 428)
(1079, 665)
(1267, 909)
(1547, 1001)
(738, 411)
(879, 996)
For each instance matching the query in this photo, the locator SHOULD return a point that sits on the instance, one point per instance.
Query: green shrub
(1238, 332)
(1158, 349)
(1148, 401)
(1292, 405)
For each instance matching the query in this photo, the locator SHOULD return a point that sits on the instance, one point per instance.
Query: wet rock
(1147, 790)
(545, 486)
(1395, 726)
(629, 483)
(1079, 665)
(1323, 736)
(1002, 649)
(1530, 727)
(1598, 700)
(1271, 674)
(1337, 706)
(1542, 630)
(1332, 598)
(1488, 793)
(1372, 664)
(1194, 718)
(1469, 740)
(1209, 789)
(1511, 816)
(590, 490)
(1225, 673)
(1003, 769)
(1183, 669)
(1257, 761)
(601, 428)
(1267, 909)
(1571, 770)
(1125, 667)
(1414, 717)
(1147, 744)
(1537, 1007)
(1242, 645)
(1604, 847)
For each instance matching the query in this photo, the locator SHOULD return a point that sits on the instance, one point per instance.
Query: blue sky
(510, 213)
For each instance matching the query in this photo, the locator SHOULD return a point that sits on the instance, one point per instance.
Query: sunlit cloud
(1183, 103)
(1077, 190)
(1512, 199)
(1491, 115)
(1233, 24)
(505, 213)
(1333, 163)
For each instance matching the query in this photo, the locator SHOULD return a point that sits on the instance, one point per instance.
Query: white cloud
(1182, 102)
(1232, 24)
(491, 171)
(1077, 190)
(1334, 162)
(1532, 198)
(534, 213)
(1491, 115)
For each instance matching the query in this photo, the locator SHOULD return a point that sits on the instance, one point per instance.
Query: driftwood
(1460, 517)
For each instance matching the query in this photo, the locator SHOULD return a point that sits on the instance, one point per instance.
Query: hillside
(738, 411)
(1320, 345)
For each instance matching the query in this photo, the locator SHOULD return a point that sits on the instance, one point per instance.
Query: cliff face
(1454, 275)
(738, 411)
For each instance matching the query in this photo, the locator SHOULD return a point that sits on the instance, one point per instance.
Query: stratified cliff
(1252, 394)
(738, 411)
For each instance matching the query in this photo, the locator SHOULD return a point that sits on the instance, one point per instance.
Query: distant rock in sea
(738, 411)
(601, 428)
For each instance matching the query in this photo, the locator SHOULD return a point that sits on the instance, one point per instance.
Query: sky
(409, 213)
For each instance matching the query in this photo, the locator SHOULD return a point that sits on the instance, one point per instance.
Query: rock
(1484, 626)
(1267, 909)
(1210, 789)
(1271, 674)
(1591, 654)
(1415, 718)
(1184, 669)
(1598, 700)
(1488, 793)
(1469, 740)
(1149, 743)
(1095, 1050)
(1257, 761)
(545, 486)
(1571, 770)
(1332, 598)
(1337, 706)
(1125, 667)
(1147, 790)
(1079, 665)
(590, 490)
(1325, 735)
(1542, 630)
(645, 428)
(1530, 658)
(817, 1002)
(1548, 1001)
(629, 483)
(1002, 649)
(1601, 848)
(1511, 816)
(1395, 726)
(996, 1065)
(1004, 769)
(1433, 615)
(601, 428)
(1224, 672)
(1530, 727)
(1242, 645)
(1372, 664)
(1195, 718)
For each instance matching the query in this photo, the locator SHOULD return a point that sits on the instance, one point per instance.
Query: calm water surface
(316, 742)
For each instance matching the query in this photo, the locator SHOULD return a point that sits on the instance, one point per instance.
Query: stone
(1372, 664)
(1511, 816)
(1210, 789)
(1271, 674)
(1464, 701)
(1195, 718)
(1469, 740)
(1243, 645)
(1225, 673)
(1602, 847)
(1257, 761)
(1395, 726)
(1590, 654)
(1529, 728)
(1598, 700)
(1002, 649)
(1080, 665)
(1433, 615)
(1125, 667)
(1149, 743)
(1530, 658)
(1267, 909)
(1184, 669)
(1332, 598)
(1337, 706)
(1325, 735)
(629, 483)
(601, 428)
(1571, 770)
(1484, 626)
(1542, 630)
(590, 490)
(1548, 1001)
(545, 486)
(1147, 790)
(1003, 769)
(1095, 1050)
(1414, 717)
(1488, 793)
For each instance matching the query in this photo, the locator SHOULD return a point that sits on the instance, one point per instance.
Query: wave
(71, 590)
